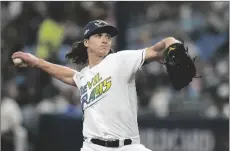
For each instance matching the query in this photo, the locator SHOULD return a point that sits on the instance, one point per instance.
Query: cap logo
(100, 23)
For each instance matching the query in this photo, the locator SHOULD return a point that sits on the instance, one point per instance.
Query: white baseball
(17, 61)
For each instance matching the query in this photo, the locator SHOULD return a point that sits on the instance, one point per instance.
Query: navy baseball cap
(99, 26)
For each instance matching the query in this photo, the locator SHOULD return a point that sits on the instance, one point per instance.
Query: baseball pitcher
(107, 83)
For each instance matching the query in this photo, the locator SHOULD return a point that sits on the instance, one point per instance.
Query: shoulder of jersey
(83, 69)
(109, 56)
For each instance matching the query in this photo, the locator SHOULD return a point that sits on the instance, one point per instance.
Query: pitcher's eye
(108, 36)
(99, 35)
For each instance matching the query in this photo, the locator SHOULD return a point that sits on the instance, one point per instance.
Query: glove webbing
(186, 50)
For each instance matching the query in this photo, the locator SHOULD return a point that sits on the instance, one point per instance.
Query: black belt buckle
(127, 141)
(106, 144)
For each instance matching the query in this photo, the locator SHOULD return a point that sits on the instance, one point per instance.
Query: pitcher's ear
(86, 43)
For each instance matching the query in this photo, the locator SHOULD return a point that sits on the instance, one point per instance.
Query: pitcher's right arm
(59, 72)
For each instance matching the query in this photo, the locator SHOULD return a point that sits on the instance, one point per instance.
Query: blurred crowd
(48, 29)
(204, 29)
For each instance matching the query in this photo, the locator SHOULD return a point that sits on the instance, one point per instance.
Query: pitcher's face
(99, 44)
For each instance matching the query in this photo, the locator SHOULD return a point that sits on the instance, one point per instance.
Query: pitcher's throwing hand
(27, 59)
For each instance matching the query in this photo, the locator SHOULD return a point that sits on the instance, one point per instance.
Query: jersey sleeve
(76, 78)
(130, 61)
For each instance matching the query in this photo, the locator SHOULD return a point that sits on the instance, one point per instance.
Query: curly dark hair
(78, 54)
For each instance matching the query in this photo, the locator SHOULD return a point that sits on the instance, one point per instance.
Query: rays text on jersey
(96, 90)
(97, 78)
(100, 89)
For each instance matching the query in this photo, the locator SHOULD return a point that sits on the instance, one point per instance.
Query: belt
(111, 143)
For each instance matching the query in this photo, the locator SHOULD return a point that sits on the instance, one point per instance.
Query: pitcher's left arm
(156, 52)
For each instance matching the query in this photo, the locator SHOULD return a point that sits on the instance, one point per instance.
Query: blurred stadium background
(39, 113)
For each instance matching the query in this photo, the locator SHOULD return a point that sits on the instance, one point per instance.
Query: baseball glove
(180, 67)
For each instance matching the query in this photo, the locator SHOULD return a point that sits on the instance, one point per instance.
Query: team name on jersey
(97, 87)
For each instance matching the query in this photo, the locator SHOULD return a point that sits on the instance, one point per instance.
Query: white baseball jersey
(108, 96)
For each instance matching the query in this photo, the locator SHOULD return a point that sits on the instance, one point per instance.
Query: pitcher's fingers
(17, 55)
(18, 52)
